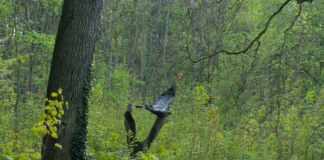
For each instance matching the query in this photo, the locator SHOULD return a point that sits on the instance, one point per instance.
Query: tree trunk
(193, 23)
(133, 45)
(70, 70)
(143, 58)
(112, 48)
(164, 47)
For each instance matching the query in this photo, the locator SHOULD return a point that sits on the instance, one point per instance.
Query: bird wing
(162, 102)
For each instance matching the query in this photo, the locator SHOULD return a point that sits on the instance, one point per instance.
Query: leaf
(47, 108)
(60, 91)
(44, 115)
(5, 157)
(62, 112)
(54, 113)
(58, 145)
(54, 94)
(54, 135)
(34, 130)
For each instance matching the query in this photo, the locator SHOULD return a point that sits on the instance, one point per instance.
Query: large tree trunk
(72, 58)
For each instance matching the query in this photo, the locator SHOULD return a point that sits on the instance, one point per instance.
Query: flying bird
(160, 105)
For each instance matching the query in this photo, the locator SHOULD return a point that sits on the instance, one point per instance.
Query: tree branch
(130, 125)
(159, 122)
(249, 46)
(131, 137)
(310, 75)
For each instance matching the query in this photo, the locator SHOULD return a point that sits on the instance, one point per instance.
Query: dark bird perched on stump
(160, 105)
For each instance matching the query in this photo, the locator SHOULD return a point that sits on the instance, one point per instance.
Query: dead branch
(131, 136)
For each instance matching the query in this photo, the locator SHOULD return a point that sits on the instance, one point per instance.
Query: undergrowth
(195, 130)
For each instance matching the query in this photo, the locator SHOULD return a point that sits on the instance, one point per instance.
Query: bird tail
(139, 106)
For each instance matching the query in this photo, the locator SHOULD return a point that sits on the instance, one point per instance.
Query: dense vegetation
(263, 103)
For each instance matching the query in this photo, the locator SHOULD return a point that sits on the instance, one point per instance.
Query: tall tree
(70, 70)
(165, 46)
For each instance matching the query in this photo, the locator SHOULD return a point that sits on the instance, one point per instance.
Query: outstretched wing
(161, 103)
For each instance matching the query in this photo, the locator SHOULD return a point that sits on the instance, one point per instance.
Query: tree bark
(130, 125)
(112, 47)
(70, 70)
(193, 22)
(165, 46)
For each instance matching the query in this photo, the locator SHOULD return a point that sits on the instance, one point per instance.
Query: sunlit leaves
(54, 135)
(52, 117)
(54, 94)
(58, 145)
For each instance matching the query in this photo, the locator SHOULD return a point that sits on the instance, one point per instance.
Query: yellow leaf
(44, 116)
(35, 156)
(54, 135)
(10, 144)
(34, 130)
(58, 145)
(60, 91)
(54, 94)
(54, 113)
(49, 117)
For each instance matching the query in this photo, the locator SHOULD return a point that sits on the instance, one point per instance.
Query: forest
(244, 76)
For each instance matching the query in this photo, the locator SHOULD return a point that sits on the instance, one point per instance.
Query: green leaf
(5, 157)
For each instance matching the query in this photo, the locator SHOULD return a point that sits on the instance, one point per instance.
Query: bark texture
(130, 125)
(70, 70)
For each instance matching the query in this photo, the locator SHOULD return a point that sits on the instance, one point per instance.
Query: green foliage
(17, 141)
(147, 157)
(263, 104)
(197, 133)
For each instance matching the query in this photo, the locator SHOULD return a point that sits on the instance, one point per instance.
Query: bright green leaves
(147, 156)
(272, 138)
(54, 94)
(34, 130)
(310, 97)
(52, 117)
(113, 138)
(54, 135)
(46, 41)
(44, 115)
(58, 145)
(54, 114)
(199, 96)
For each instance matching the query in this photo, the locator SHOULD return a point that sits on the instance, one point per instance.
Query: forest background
(264, 103)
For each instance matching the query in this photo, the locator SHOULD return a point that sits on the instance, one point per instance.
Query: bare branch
(131, 126)
(250, 45)
(159, 122)
(285, 34)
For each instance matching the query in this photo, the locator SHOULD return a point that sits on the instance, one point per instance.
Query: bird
(160, 105)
